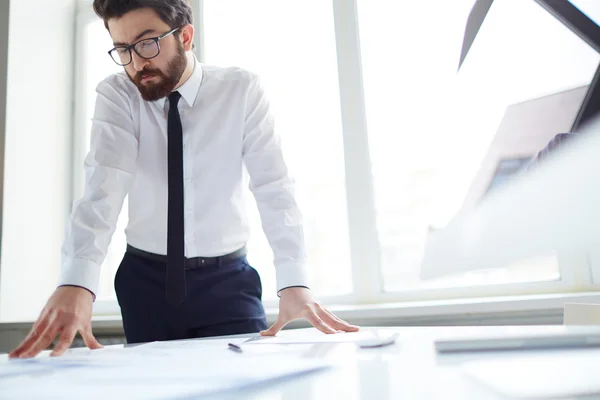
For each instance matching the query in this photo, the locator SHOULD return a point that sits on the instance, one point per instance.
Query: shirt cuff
(83, 273)
(282, 289)
(92, 293)
(289, 275)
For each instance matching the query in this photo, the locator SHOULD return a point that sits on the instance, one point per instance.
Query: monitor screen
(523, 82)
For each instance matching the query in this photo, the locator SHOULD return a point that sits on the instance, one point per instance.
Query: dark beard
(167, 82)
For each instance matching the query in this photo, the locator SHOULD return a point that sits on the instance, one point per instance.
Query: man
(175, 135)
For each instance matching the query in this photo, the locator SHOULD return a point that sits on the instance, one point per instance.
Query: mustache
(148, 72)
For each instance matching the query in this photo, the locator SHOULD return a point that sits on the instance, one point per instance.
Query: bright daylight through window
(439, 140)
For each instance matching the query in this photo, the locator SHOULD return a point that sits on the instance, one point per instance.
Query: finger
(38, 328)
(276, 327)
(64, 342)
(89, 339)
(336, 322)
(318, 323)
(333, 321)
(44, 340)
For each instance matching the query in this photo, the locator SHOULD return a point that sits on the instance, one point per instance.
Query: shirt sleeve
(273, 189)
(109, 170)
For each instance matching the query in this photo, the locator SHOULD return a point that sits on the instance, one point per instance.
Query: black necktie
(175, 287)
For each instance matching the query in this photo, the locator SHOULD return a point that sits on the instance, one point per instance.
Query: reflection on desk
(408, 369)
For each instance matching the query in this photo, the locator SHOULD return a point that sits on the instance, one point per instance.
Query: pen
(234, 347)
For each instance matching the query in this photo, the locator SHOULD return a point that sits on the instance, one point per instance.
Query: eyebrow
(147, 31)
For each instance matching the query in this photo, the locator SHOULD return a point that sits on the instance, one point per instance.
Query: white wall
(37, 174)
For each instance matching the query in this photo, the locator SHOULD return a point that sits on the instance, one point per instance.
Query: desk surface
(408, 369)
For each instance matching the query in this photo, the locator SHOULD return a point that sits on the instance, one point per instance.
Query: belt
(194, 262)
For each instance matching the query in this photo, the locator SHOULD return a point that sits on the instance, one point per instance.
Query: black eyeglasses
(145, 48)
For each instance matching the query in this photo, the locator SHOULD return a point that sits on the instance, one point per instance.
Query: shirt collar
(189, 89)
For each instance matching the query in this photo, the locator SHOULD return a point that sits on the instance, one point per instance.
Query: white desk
(409, 369)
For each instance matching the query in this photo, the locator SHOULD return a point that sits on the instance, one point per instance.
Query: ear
(187, 36)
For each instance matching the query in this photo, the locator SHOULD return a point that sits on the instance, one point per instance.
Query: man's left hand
(298, 302)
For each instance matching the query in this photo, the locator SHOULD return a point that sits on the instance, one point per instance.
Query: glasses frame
(156, 40)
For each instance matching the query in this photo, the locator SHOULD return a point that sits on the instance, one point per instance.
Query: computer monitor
(549, 208)
(528, 132)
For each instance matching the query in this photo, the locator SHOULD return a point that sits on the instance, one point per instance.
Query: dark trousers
(222, 299)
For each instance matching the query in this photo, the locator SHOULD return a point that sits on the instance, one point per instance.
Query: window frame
(84, 16)
(578, 273)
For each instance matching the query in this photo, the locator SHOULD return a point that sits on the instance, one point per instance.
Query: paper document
(198, 345)
(308, 336)
(540, 376)
(168, 370)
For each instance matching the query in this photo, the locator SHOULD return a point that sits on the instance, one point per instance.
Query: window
(306, 109)
(298, 68)
(435, 141)
(436, 135)
(95, 65)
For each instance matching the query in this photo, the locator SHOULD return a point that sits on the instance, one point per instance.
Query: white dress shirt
(227, 126)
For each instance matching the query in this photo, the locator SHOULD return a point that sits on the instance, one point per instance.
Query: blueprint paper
(147, 372)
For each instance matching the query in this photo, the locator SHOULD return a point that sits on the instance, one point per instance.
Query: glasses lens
(147, 48)
(121, 55)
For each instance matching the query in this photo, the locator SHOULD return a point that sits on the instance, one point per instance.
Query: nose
(138, 62)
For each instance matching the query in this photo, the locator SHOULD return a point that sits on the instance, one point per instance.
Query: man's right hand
(68, 311)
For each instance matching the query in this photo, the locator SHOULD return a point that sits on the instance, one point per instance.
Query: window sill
(507, 310)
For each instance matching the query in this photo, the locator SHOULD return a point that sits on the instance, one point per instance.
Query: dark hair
(174, 13)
